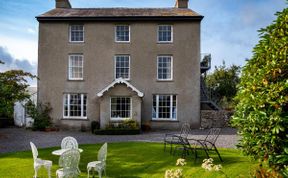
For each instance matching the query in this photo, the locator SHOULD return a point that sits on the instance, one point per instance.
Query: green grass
(131, 160)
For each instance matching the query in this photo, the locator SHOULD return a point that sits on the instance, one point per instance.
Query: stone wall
(210, 118)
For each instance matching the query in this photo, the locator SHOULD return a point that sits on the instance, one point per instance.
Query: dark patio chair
(208, 144)
(185, 147)
(174, 139)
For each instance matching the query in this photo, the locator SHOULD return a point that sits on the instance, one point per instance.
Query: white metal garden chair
(38, 163)
(99, 165)
(69, 161)
(69, 143)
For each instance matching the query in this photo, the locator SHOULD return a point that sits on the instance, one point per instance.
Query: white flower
(168, 173)
(217, 167)
(180, 162)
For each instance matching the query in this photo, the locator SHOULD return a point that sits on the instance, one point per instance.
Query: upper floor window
(122, 33)
(75, 67)
(122, 66)
(164, 107)
(75, 105)
(165, 33)
(164, 68)
(76, 33)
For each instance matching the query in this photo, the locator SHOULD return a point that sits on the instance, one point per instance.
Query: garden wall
(210, 118)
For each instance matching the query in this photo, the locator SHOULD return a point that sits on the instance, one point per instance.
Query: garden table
(61, 151)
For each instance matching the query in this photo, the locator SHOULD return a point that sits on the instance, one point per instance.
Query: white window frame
(115, 64)
(115, 34)
(70, 33)
(119, 118)
(69, 67)
(68, 103)
(171, 108)
(171, 75)
(172, 34)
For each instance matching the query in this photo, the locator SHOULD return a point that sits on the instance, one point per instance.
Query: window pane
(73, 105)
(165, 33)
(76, 33)
(165, 111)
(164, 68)
(76, 67)
(122, 33)
(120, 107)
(122, 67)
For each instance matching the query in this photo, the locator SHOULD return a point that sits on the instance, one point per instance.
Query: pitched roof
(120, 81)
(106, 13)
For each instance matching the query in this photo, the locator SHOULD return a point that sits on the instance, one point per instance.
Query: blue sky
(228, 31)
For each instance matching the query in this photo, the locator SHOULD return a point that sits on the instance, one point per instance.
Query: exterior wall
(99, 50)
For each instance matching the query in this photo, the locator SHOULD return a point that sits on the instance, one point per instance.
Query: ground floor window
(120, 108)
(75, 105)
(164, 107)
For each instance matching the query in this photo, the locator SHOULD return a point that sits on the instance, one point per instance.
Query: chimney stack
(181, 3)
(63, 4)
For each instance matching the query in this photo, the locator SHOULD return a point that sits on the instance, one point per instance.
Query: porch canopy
(120, 81)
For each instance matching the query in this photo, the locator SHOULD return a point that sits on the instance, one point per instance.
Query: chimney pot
(63, 4)
(181, 3)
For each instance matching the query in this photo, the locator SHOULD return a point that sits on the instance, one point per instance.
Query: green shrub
(262, 110)
(117, 131)
(95, 125)
(125, 124)
(40, 115)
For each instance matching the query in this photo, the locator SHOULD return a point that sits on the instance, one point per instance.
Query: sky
(228, 30)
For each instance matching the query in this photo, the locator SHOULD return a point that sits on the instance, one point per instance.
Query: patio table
(61, 151)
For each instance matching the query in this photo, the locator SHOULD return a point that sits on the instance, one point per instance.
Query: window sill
(77, 42)
(123, 42)
(164, 120)
(164, 80)
(76, 118)
(75, 80)
(165, 42)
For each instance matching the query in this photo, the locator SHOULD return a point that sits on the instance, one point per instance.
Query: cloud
(13, 63)
(32, 31)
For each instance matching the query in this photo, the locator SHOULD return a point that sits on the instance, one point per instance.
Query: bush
(40, 115)
(117, 131)
(126, 124)
(125, 127)
(95, 125)
(262, 110)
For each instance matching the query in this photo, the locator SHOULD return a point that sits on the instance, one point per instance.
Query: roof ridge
(144, 8)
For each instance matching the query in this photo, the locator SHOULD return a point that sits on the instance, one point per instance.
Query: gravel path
(17, 139)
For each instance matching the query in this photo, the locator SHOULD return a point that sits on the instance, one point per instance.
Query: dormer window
(76, 33)
(165, 33)
(122, 33)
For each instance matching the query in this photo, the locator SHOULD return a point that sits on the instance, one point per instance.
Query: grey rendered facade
(99, 50)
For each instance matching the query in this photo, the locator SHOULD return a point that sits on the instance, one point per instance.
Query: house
(21, 118)
(110, 64)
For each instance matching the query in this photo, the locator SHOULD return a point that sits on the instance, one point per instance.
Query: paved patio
(17, 139)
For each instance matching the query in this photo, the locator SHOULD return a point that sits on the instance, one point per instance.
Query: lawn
(131, 160)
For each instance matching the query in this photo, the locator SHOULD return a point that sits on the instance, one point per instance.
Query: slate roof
(125, 13)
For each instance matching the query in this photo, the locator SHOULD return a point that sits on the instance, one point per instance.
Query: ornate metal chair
(174, 139)
(69, 161)
(208, 143)
(38, 163)
(69, 143)
(99, 165)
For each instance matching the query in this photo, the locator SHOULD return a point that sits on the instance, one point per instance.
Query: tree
(262, 110)
(222, 83)
(13, 87)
